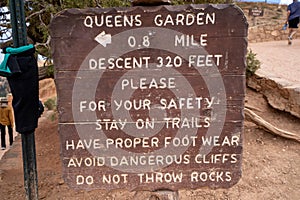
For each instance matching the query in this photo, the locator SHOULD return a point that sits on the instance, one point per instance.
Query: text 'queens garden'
(181, 19)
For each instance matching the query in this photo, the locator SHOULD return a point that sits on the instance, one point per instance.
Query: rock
(167, 195)
(275, 33)
(156, 195)
(279, 93)
(61, 182)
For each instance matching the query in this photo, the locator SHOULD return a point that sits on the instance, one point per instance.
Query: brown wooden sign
(256, 12)
(150, 97)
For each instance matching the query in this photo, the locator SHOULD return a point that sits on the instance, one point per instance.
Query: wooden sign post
(151, 97)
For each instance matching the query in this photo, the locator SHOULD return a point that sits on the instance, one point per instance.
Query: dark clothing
(3, 132)
(293, 23)
(9, 58)
(41, 108)
(25, 90)
(294, 9)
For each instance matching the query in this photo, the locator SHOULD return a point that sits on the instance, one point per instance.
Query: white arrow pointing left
(103, 38)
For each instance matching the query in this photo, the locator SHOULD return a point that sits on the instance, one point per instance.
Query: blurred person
(293, 16)
(6, 120)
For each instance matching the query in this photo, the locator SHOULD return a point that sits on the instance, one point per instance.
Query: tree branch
(35, 13)
(269, 127)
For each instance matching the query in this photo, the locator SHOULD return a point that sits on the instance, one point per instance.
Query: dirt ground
(271, 165)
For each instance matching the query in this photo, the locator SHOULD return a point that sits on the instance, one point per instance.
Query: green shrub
(50, 104)
(53, 116)
(253, 63)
